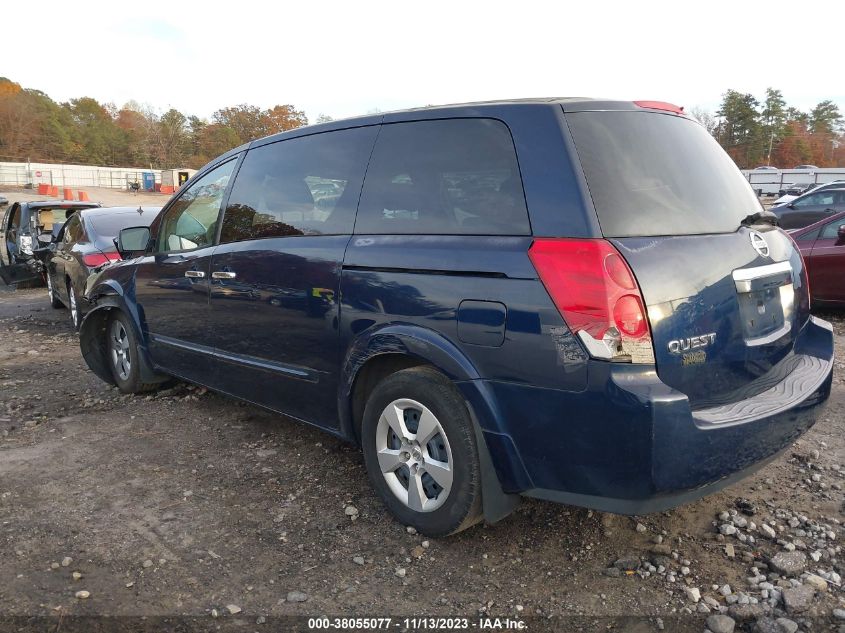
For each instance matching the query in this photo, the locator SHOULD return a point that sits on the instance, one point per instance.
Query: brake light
(805, 276)
(95, 260)
(595, 292)
(660, 105)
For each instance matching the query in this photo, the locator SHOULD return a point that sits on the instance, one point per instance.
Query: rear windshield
(657, 174)
(47, 219)
(108, 226)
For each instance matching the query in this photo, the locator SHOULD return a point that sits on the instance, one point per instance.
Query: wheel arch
(374, 355)
(106, 299)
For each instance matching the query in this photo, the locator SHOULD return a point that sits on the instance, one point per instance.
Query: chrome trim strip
(290, 371)
(744, 276)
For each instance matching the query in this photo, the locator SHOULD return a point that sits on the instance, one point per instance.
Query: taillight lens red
(93, 260)
(597, 295)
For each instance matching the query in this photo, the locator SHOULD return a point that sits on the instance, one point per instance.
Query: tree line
(769, 132)
(34, 127)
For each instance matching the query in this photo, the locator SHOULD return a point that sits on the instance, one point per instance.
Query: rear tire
(54, 300)
(122, 354)
(73, 306)
(420, 451)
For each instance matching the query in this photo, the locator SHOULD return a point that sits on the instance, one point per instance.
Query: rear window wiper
(760, 217)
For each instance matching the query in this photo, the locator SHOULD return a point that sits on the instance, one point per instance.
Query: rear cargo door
(725, 301)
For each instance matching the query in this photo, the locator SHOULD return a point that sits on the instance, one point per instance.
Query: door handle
(223, 274)
(194, 274)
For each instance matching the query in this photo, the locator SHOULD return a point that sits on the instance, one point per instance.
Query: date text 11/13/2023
(417, 624)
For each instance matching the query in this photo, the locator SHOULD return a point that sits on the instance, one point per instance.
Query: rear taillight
(597, 295)
(805, 276)
(95, 260)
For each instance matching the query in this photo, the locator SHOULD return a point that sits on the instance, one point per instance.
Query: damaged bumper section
(642, 448)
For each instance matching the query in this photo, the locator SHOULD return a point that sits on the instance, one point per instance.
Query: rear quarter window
(657, 174)
(443, 177)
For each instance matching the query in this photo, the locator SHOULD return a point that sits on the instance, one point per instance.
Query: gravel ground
(187, 504)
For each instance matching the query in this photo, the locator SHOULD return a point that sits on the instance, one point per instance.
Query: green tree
(740, 131)
(825, 118)
(246, 121)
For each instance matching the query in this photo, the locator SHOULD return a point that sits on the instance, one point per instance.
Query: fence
(770, 181)
(23, 174)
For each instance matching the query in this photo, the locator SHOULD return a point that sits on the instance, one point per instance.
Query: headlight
(25, 242)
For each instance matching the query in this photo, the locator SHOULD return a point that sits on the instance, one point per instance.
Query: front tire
(123, 355)
(420, 452)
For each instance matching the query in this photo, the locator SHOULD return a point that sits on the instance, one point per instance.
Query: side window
(302, 186)
(455, 176)
(831, 229)
(808, 237)
(191, 222)
(823, 197)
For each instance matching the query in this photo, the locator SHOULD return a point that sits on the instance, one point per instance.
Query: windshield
(656, 174)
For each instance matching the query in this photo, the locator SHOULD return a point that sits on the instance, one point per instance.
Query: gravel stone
(693, 593)
(789, 563)
(745, 612)
(296, 596)
(797, 599)
(720, 624)
(629, 562)
(787, 625)
(816, 582)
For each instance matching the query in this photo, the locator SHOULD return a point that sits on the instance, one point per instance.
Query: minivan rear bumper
(630, 444)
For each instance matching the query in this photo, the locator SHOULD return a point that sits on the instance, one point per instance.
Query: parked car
(805, 167)
(765, 167)
(604, 316)
(809, 208)
(786, 198)
(823, 246)
(26, 227)
(3, 201)
(796, 189)
(83, 245)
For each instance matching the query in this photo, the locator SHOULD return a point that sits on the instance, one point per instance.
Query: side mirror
(133, 241)
(791, 205)
(840, 233)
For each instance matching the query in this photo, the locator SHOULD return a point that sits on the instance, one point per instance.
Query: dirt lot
(186, 504)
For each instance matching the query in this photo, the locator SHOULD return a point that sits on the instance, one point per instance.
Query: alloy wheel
(414, 455)
(119, 350)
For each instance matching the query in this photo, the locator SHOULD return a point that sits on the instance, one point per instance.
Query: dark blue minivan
(569, 299)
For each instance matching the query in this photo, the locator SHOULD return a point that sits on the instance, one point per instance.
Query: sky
(349, 58)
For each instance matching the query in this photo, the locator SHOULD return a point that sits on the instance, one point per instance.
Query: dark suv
(574, 300)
